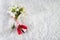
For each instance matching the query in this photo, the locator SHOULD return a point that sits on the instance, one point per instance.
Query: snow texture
(42, 19)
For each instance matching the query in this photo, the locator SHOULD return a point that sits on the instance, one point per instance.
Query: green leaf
(21, 9)
(13, 26)
(17, 14)
(13, 10)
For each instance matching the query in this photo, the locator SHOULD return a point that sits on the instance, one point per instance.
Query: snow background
(42, 20)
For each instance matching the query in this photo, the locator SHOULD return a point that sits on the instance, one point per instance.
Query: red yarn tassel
(20, 29)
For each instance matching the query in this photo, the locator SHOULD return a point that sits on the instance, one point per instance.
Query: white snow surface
(42, 19)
